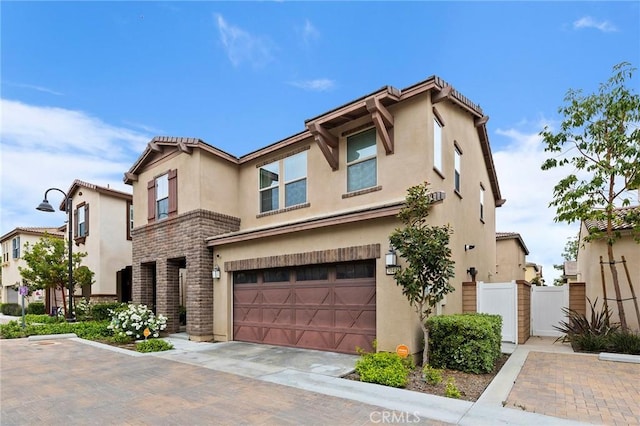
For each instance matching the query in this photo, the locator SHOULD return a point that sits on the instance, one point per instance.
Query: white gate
(546, 309)
(501, 299)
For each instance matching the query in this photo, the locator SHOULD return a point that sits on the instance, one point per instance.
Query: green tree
(48, 266)
(599, 139)
(570, 253)
(425, 278)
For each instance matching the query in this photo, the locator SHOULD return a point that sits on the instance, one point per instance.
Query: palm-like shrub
(588, 333)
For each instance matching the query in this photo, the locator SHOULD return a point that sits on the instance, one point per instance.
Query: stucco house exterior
(588, 265)
(13, 244)
(286, 245)
(511, 257)
(102, 223)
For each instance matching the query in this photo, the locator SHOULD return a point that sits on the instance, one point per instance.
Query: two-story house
(102, 224)
(511, 257)
(13, 245)
(286, 245)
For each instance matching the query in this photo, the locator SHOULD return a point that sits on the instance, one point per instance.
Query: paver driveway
(62, 382)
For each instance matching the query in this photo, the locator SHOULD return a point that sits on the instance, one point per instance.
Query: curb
(51, 337)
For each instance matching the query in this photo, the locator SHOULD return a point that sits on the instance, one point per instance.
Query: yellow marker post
(146, 333)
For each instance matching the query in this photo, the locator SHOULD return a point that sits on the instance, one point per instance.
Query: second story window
(15, 247)
(481, 203)
(82, 220)
(162, 192)
(129, 219)
(437, 144)
(162, 197)
(269, 187)
(361, 161)
(456, 167)
(5, 252)
(292, 183)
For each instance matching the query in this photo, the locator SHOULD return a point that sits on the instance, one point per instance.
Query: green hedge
(465, 342)
(12, 309)
(385, 368)
(100, 311)
(36, 308)
(90, 330)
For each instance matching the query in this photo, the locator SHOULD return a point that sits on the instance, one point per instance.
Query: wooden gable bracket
(155, 147)
(327, 142)
(383, 120)
(182, 147)
(130, 177)
(480, 121)
(442, 95)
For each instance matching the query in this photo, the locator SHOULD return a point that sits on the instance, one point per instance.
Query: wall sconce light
(216, 272)
(469, 247)
(473, 272)
(391, 262)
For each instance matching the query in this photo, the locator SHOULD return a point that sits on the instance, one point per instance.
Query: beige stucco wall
(510, 261)
(589, 271)
(10, 272)
(107, 247)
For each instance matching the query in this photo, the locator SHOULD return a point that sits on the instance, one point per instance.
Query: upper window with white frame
(291, 186)
(481, 203)
(457, 160)
(82, 220)
(362, 161)
(15, 247)
(437, 144)
(162, 196)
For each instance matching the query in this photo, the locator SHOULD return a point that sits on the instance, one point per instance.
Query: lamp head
(45, 206)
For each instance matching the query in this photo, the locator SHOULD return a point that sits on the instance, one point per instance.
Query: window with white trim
(481, 203)
(457, 156)
(362, 161)
(291, 185)
(437, 144)
(162, 196)
(15, 247)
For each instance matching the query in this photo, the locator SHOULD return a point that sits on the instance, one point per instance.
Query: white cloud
(44, 147)
(242, 46)
(589, 22)
(309, 32)
(528, 191)
(317, 85)
(35, 87)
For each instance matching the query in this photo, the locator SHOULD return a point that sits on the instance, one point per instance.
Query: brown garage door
(326, 307)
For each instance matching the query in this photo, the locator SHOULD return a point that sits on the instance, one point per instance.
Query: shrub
(624, 342)
(11, 330)
(577, 324)
(91, 330)
(42, 319)
(431, 375)
(36, 308)
(12, 309)
(82, 309)
(153, 345)
(451, 390)
(384, 368)
(133, 320)
(103, 311)
(465, 342)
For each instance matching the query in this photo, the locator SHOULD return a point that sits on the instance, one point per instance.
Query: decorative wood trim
(383, 120)
(481, 121)
(345, 254)
(327, 142)
(443, 94)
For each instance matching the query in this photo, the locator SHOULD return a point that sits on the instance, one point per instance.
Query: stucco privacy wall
(589, 271)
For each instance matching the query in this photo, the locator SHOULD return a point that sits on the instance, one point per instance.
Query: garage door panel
(334, 314)
(313, 295)
(359, 294)
(277, 316)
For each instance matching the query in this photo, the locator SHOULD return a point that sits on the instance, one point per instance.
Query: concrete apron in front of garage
(255, 360)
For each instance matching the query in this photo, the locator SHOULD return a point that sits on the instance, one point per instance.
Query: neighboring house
(511, 255)
(570, 271)
(533, 273)
(286, 245)
(590, 271)
(102, 223)
(13, 245)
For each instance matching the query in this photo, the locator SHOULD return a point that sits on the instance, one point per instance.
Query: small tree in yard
(47, 266)
(425, 278)
(599, 139)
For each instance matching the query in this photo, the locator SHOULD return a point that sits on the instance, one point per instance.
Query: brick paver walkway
(578, 387)
(62, 382)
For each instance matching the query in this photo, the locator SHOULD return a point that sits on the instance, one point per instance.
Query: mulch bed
(470, 385)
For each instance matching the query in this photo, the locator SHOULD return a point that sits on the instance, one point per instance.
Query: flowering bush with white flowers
(134, 319)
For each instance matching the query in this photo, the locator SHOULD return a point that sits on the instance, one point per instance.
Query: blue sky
(85, 85)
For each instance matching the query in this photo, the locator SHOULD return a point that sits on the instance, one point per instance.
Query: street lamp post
(46, 207)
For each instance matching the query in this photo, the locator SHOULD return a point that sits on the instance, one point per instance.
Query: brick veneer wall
(169, 245)
(578, 297)
(524, 311)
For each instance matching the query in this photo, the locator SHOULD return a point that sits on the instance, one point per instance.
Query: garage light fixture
(215, 274)
(391, 262)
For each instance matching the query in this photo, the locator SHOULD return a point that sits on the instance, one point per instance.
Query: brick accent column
(524, 311)
(143, 292)
(469, 297)
(578, 297)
